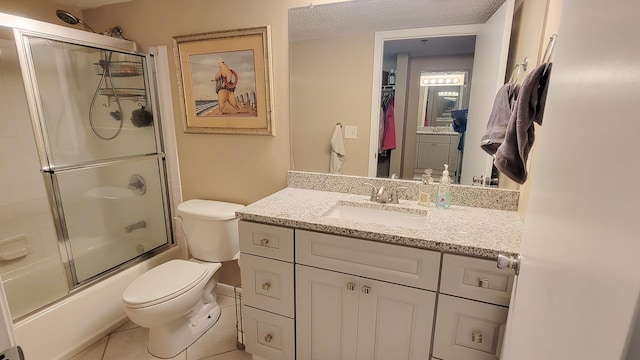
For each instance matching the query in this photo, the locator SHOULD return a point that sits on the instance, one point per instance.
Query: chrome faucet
(384, 195)
(139, 225)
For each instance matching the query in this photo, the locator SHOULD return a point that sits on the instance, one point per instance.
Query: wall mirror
(340, 58)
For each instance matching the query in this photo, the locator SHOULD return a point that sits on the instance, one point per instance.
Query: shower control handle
(264, 242)
(266, 286)
(268, 338)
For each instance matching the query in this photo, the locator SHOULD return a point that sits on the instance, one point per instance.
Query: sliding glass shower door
(100, 151)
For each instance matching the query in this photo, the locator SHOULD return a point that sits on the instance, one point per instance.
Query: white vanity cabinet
(266, 263)
(472, 309)
(344, 311)
(327, 297)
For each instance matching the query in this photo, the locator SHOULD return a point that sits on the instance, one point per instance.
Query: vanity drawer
(266, 240)
(477, 279)
(392, 263)
(468, 330)
(268, 335)
(267, 284)
(432, 138)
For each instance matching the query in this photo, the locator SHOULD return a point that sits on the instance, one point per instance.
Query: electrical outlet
(350, 132)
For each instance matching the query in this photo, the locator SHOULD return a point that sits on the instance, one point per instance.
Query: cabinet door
(394, 321)
(468, 330)
(432, 155)
(326, 314)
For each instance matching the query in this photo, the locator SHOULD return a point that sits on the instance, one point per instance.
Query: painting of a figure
(224, 83)
(224, 78)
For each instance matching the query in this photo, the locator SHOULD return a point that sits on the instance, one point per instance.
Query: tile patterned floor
(129, 342)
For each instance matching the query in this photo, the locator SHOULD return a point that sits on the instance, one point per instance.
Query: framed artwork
(224, 79)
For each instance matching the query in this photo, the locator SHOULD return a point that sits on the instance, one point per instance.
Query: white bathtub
(99, 255)
(65, 328)
(46, 275)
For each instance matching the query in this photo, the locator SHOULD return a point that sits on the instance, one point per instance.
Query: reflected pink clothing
(389, 134)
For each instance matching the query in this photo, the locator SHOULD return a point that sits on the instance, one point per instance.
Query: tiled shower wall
(24, 207)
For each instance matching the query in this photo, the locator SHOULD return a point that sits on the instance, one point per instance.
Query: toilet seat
(166, 281)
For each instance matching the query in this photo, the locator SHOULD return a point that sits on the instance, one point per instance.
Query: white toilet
(176, 300)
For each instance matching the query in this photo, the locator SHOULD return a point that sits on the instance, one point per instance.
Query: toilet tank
(210, 228)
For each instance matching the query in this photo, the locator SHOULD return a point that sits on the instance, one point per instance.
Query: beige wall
(236, 168)
(338, 69)
(42, 10)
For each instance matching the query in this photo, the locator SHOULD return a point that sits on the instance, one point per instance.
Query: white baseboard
(226, 290)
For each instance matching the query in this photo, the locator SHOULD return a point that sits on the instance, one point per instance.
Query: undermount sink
(378, 214)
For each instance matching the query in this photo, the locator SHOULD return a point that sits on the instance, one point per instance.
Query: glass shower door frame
(48, 168)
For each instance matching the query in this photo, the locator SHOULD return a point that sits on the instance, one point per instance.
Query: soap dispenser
(392, 77)
(424, 189)
(443, 198)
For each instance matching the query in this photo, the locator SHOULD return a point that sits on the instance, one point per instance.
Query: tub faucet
(139, 225)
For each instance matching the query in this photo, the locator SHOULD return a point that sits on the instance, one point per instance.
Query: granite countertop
(459, 229)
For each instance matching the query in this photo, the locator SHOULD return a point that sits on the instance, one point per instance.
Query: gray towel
(511, 156)
(500, 114)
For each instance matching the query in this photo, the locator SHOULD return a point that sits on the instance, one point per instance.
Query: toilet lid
(165, 282)
(209, 209)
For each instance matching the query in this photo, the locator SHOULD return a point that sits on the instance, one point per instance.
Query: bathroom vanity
(322, 285)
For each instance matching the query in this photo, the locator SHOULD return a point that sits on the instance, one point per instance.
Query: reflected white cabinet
(342, 316)
(435, 150)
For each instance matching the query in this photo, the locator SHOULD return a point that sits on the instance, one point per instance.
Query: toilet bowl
(176, 300)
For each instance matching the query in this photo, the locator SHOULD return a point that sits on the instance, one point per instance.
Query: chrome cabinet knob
(266, 286)
(264, 242)
(366, 289)
(483, 282)
(509, 262)
(268, 338)
(351, 286)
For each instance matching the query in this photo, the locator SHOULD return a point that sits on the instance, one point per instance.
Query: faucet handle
(374, 191)
(394, 194)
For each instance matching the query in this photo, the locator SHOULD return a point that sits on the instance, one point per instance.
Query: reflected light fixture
(442, 79)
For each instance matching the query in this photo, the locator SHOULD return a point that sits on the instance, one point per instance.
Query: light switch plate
(350, 132)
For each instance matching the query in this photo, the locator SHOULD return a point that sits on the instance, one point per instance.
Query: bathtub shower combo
(92, 105)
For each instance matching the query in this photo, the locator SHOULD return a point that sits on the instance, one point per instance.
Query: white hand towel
(337, 151)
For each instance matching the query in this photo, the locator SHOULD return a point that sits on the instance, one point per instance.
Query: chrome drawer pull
(476, 337)
(483, 282)
(366, 289)
(351, 286)
(264, 242)
(266, 286)
(268, 338)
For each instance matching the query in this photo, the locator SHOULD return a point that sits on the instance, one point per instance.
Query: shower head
(71, 19)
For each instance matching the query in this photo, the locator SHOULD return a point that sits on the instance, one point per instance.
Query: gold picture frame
(224, 79)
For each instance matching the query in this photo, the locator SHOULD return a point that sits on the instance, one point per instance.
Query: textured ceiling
(357, 16)
(87, 4)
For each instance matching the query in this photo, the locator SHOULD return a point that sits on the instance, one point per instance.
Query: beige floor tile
(126, 326)
(221, 338)
(231, 355)
(132, 345)
(93, 352)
